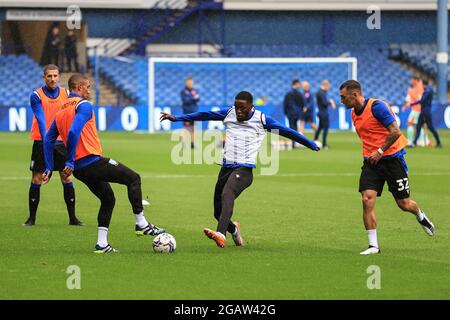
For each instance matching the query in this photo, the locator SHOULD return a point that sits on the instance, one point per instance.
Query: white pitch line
(310, 174)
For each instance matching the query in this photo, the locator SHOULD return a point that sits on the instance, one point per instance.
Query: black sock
(69, 198)
(33, 199)
(231, 228)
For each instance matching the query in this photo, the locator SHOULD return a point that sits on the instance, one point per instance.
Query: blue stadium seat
(20, 75)
(379, 76)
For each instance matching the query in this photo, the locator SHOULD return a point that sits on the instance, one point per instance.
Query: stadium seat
(380, 76)
(20, 75)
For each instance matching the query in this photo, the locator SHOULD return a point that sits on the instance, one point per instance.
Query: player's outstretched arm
(196, 116)
(167, 116)
(272, 124)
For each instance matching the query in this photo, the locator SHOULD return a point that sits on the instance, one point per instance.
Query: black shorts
(37, 157)
(104, 170)
(393, 171)
(307, 117)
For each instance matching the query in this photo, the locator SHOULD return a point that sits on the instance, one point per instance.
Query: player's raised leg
(113, 171)
(410, 205)
(369, 198)
(398, 182)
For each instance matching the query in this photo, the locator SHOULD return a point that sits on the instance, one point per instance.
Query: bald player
(383, 151)
(75, 123)
(307, 114)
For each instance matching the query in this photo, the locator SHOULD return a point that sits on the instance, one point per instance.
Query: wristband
(380, 151)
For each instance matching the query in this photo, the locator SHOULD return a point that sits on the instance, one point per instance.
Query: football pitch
(303, 228)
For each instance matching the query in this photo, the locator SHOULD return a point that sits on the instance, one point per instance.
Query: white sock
(102, 236)
(220, 234)
(372, 235)
(140, 220)
(421, 215)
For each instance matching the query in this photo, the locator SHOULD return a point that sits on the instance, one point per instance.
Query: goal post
(218, 79)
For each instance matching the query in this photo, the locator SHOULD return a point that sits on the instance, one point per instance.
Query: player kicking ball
(383, 148)
(75, 123)
(245, 130)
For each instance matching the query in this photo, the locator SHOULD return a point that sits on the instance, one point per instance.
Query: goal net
(218, 80)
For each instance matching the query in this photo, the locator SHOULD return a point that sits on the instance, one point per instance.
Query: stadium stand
(380, 76)
(421, 56)
(19, 75)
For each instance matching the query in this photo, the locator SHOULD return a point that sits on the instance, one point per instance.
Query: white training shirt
(243, 138)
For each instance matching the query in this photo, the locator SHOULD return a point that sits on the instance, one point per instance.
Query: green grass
(303, 227)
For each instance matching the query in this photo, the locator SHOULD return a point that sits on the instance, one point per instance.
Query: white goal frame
(352, 61)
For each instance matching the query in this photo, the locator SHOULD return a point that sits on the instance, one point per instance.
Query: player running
(245, 131)
(45, 102)
(75, 122)
(383, 149)
(415, 92)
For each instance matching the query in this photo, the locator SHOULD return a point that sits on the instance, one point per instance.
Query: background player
(45, 102)
(425, 117)
(293, 104)
(245, 131)
(307, 114)
(383, 149)
(75, 122)
(189, 99)
(415, 91)
(324, 118)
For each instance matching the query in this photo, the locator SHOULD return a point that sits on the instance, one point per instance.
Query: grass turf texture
(303, 227)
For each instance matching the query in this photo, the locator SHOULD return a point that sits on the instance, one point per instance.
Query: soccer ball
(164, 243)
(318, 143)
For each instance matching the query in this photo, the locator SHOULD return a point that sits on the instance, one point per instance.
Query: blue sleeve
(272, 124)
(427, 94)
(202, 116)
(38, 112)
(83, 114)
(49, 145)
(381, 111)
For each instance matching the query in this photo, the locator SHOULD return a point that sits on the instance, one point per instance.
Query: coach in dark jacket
(293, 104)
(189, 100)
(324, 119)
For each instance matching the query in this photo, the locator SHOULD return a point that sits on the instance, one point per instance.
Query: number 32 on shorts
(403, 184)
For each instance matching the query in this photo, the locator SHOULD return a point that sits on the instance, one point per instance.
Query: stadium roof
(360, 5)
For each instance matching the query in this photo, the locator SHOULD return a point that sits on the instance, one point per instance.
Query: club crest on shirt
(113, 162)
